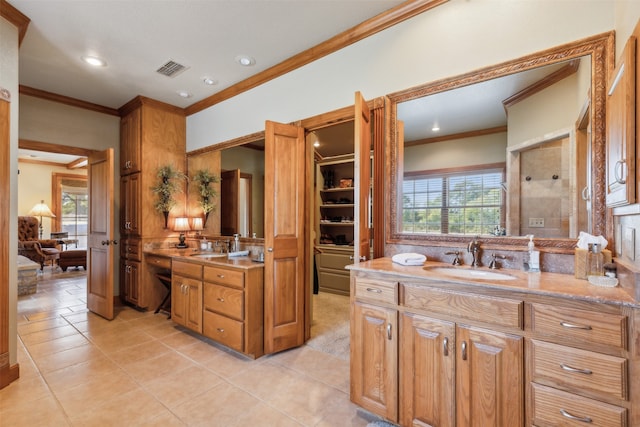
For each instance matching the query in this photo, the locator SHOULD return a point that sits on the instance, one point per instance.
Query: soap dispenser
(532, 258)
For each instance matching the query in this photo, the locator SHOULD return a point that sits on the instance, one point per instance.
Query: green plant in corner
(207, 193)
(166, 188)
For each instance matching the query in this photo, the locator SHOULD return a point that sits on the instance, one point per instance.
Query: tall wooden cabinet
(152, 134)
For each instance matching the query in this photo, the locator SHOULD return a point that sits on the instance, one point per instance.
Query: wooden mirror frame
(601, 48)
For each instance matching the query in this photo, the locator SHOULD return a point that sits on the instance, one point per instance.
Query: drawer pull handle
(389, 331)
(221, 330)
(576, 370)
(377, 291)
(221, 276)
(573, 417)
(221, 299)
(445, 346)
(464, 350)
(574, 326)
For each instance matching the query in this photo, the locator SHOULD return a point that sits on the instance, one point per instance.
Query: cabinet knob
(269, 249)
(221, 330)
(445, 346)
(221, 299)
(389, 336)
(464, 350)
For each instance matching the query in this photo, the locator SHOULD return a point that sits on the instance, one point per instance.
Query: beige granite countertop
(552, 284)
(187, 255)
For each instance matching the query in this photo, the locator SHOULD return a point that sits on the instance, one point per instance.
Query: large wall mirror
(503, 152)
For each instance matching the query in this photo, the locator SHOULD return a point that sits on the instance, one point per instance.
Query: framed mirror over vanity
(533, 162)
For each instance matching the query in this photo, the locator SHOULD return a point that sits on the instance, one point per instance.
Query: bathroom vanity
(217, 296)
(439, 345)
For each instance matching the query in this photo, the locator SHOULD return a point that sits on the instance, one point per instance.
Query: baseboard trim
(9, 374)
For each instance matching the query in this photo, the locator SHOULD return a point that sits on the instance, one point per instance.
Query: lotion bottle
(532, 263)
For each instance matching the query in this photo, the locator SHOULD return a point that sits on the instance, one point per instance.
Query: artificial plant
(165, 189)
(204, 178)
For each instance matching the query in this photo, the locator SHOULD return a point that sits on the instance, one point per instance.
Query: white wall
(456, 37)
(9, 81)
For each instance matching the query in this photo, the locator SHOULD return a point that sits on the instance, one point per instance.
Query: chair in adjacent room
(29, 245)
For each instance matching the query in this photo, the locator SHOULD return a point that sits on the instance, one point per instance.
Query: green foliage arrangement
(204, 178)
(165, 189)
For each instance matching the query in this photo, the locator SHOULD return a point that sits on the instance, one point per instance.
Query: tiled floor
(77, 369)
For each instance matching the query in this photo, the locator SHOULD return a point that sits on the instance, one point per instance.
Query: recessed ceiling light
(94, 60)
(316, 144)
(435, 128)
(245, 60)
(184, 94)
(209, 81)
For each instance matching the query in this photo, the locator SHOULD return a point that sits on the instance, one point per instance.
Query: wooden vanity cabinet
(233, 308)
(413, 363)
(186, 295)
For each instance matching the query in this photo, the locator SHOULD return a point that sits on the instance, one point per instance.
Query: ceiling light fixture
(94, 60)
(316, 144)
(209, 81)
(184, 94)
(435, 128)
(245, 61)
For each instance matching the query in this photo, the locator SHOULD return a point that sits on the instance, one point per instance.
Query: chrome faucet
(474, 249)
(456, 260)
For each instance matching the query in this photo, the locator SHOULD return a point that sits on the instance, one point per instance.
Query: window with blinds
(469, 202)
(75, 210)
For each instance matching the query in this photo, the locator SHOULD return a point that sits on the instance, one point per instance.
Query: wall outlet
(536, 222)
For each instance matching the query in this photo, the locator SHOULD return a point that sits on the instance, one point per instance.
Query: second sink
(470, 273)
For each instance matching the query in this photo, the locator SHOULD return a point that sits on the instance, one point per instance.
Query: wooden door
(287, 237)
(100, 242)
(489, 378)
(362, 166)
(620, 142)
(229, 202)
(374, 364)
(427, 381)
(130, 212)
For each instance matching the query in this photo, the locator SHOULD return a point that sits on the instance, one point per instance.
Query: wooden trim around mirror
(601, 48)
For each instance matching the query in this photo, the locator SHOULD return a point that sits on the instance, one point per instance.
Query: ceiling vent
(171, 69)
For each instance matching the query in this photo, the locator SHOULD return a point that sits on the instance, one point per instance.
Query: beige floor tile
(181, 338)
(27, 328)
(166, 419)
(47, 314)
(229, 364)
(130, 409)
(144, 351)
(175, 388)
(324, 367)
(120, 339)
(66, 358)
(200, 352)
(54, 346)
(161, 330)
(22, 392)
(80, 373)
(49, 334)
(146, 370)
(264, 415)
(344, 413)
(42, 412)
(219, 406)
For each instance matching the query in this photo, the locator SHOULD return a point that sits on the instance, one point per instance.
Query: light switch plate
(536, 222)
(629, 243)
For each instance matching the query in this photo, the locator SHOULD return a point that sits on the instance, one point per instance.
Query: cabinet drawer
(224, 330)
(224, 276)
(492, 310)
(378, 290)
(158, 261)
(581, 326)
(224, 300)
(187, 269)
(553, 407)
(131, 249)
(331, 281)
(578, 370)
(335, 261)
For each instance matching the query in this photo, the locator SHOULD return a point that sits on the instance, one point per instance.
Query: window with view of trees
(464, 202)
(75, 210)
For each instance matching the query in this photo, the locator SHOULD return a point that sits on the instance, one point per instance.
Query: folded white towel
(409, 259)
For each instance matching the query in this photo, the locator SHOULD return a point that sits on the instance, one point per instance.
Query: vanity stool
(74, 258)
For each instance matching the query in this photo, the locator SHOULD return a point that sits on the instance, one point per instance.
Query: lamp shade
(196, 224)
(42, 210)
(181, 224)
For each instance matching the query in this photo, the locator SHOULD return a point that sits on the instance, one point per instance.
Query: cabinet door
(129, 206)
(427, 362)
(489, 378)
(193, 301)
(130, 273)
(620, 143)
(130, 140)
(178, 300)
(374, 353)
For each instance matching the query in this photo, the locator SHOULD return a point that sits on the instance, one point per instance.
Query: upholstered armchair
(40, 251)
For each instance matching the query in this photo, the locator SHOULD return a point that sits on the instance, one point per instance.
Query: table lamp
(41, 210)
(197, 225)
(181, 225)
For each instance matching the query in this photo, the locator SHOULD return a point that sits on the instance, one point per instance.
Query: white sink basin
(470, 273)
